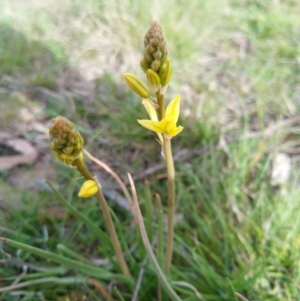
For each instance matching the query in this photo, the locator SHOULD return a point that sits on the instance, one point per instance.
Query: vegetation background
(236, 66)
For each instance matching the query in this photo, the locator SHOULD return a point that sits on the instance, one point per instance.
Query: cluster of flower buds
(67, 146)
(156, 51)
(155, 64)
(157, 67)
(66, 143)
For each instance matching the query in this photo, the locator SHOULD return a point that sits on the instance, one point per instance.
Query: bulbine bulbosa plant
(163, 121)
(68, 147)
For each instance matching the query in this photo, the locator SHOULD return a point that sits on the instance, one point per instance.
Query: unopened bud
(137, 85)
(153, 79)
(155, 51)
(66, 143)
(165, 73)
(80, 157)
(88, 189)
(157, 55)
(155, 65)
(144, 65)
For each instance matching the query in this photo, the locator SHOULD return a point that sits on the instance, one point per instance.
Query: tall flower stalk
(163, 121)
(67, 145)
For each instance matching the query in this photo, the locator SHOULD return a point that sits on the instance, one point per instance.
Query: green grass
(236, 66)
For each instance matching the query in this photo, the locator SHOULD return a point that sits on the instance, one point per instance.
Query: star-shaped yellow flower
(153, 115)
(167, 125)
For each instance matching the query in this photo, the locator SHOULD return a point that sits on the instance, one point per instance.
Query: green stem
(112, 232)
(171, 186)
(160, 102)
(107, 216)
(83, 170)
(171, 201)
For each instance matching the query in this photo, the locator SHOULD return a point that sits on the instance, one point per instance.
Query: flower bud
(66, 143)
(165, 73)
(155, 52)
(88, 189)
(137, 85)
(144, 65)
(80, 157)
(155, 65)
(153, 79)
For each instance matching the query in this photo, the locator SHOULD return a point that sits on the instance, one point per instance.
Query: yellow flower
(153, 115)
(88, 189)
(167, 125)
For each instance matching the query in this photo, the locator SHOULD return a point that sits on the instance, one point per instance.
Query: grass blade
(97, 231)
(88, 270)
(164, 282)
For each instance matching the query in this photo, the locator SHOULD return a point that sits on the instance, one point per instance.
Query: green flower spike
(66, 143)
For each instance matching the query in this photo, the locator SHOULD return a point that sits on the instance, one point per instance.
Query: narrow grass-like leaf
(96, 230)
(164, 282)
(160, 244)
(30, 283)
(88, 270)
(66, 251)
(189, 286)
(122, 237)
(119, 294)
(149, 210)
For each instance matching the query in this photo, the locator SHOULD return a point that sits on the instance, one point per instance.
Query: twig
(240, 296)
(100, 288)
(113, 174)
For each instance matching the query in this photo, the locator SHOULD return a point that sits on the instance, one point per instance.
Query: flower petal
(161, 139)
(170, 128)
(173, 109)
(151, 125)
(151, 111)
(175, 131)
